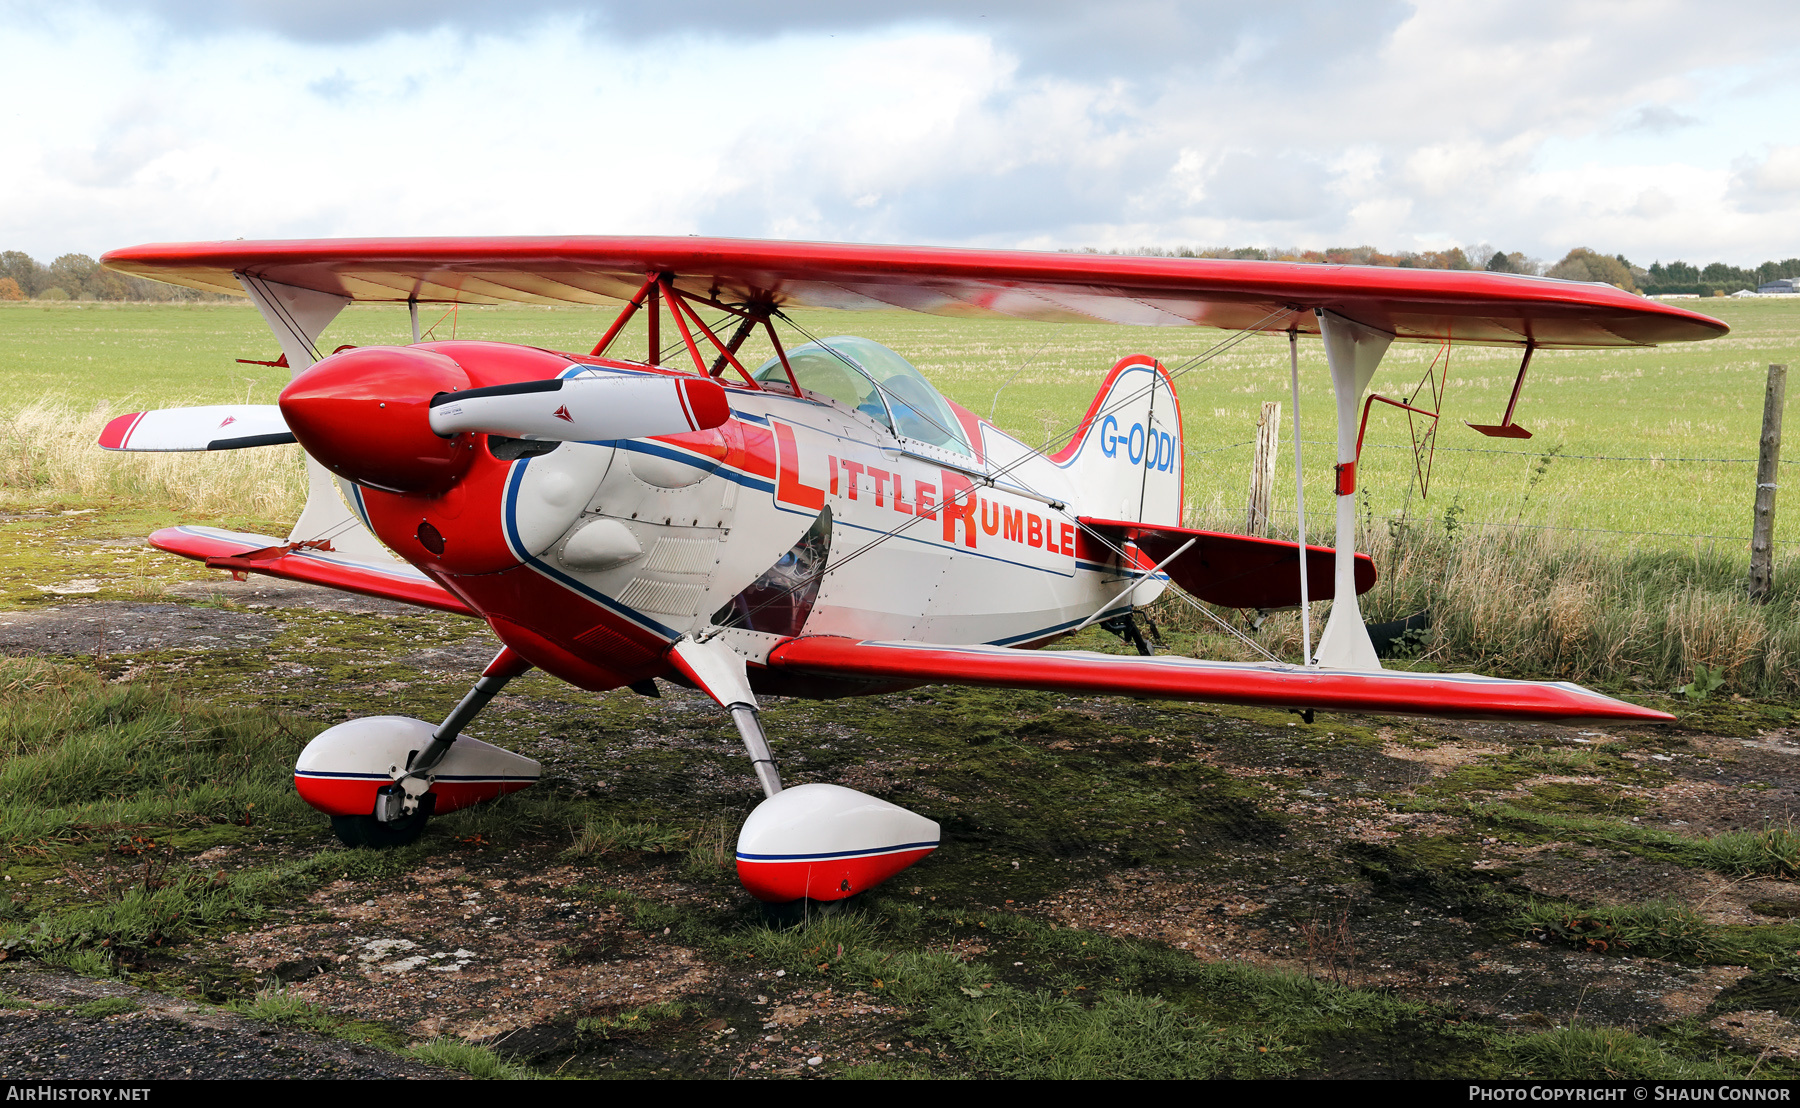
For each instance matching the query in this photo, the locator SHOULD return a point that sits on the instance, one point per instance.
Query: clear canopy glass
(863, 374)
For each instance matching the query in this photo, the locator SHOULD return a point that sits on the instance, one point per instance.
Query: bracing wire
(1194, 362)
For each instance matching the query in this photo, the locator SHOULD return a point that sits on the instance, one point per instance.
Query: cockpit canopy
(863, 374)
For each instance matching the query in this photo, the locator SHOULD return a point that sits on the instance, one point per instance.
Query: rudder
(1126, 459)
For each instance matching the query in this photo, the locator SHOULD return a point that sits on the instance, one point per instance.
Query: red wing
(1413, 304)
(262, 554)
(1443, 695)
(1237, 571)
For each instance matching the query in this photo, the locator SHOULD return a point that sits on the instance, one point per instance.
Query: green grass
(1096, 1018)
(1037, 1001)
(1093, 1006)
(1588, 1053)
(1680, 401)
(1575, 601)
(277, 1007)
(1535, 603)
(1657, 929)
(1773, 851)
(78, 756)
(598, 837)
(633, 1019)
(471, 1058)
(1770, 852)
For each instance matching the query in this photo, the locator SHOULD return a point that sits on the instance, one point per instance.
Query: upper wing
(1413, 304)
(1389, 692)
(243, 553)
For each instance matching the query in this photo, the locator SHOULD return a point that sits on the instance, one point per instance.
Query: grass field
(1659, 405)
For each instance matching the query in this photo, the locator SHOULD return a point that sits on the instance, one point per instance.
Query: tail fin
(1126, 460)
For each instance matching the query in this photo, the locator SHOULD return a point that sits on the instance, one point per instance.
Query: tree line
(1579, 264)
(79, 277)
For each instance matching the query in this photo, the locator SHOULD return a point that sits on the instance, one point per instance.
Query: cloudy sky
(1658, 130)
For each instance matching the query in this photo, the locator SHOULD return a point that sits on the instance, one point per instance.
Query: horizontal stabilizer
(215, 427)
(589, 408)
(1237, 571)
(313, 565)
(1384, 692)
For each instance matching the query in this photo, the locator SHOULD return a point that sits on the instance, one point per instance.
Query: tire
(368, 831)
(797, 913)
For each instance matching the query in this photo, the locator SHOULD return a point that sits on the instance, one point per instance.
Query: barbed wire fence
(1199, 515)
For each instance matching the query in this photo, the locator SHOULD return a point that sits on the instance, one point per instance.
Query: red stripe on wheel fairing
(355, 796)
(823, 878)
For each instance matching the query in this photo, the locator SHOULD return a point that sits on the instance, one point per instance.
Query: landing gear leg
(403, 808)
(762, 759)
(717, 670)
(807, 850)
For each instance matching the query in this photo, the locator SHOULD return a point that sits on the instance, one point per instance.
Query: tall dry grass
(1544, 603)
(48, 455)
(1522, 603)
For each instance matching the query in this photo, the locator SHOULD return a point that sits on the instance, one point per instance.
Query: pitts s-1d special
(825, 524)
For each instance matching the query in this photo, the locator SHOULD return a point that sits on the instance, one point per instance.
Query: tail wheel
(370, 832)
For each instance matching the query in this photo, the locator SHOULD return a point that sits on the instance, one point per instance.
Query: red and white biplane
(825, 524)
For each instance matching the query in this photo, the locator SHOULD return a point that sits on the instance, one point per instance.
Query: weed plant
(471, 1058)
(632, 1019)
(1771, 852)
(1587, 1053)
(1656, 929)
(106, 1006)
(279, 1008)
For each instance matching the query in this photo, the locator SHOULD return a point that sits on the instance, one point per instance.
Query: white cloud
(1768, 184)
(1535, 126)
(1658, 119)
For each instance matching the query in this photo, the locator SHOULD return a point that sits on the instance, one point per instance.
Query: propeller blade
(584, 409)
(217, 427)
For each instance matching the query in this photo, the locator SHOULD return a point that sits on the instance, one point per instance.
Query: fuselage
(799, 514)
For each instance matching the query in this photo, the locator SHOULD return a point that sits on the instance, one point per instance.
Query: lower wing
(314, 564)
(1389, 692)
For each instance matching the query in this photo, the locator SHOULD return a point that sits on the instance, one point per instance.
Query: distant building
(1785, 284)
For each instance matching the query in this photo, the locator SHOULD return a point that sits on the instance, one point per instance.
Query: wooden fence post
(1768, 465)
(1262, 468)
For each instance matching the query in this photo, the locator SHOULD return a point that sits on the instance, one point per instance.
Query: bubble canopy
(863, 374)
